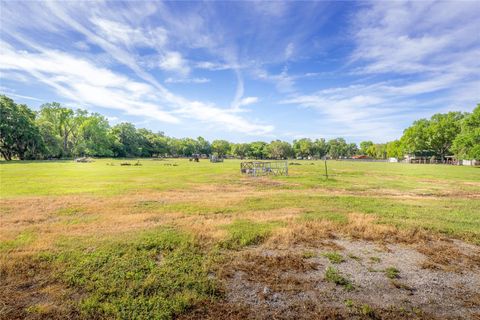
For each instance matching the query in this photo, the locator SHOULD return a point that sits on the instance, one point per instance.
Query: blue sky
(249, 70)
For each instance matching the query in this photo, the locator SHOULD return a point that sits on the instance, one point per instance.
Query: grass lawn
(101, 240)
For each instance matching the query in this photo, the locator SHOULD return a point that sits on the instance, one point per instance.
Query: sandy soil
(289, 284)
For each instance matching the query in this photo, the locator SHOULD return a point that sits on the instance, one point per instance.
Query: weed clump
(308, 254)
(392, 273)
(334, 276)
(334, 257)
(365, 311)
(375, 260)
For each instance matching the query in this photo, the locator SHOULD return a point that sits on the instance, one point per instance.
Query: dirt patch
(291, 283)
(29, 291)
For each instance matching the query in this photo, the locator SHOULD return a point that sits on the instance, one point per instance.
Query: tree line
(57, 132)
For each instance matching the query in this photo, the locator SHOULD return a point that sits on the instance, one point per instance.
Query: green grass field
(39, 178)
(101, 240)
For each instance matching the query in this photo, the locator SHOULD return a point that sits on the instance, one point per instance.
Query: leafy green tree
(240, 149)
(442, 131)
(150, 144)
(92, 136)
(160, 144)
(435, 135)
(466, 144)
(203, 146)
(303, 147)
(258, 150)
(279, 150)
(221, 147)
(377, 151)
(351, 150)
(364, 145)
(126, 141)
(337, 148)
(395, 149)
(76, 142)
(415, 137)
(19, 135)
(62, 121)
(57, 131)
(51, 141)
(188, 147)
(173, 146)
(320, 148)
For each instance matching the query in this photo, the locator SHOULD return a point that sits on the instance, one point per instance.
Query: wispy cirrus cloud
(173, 61)
(187, 80)
(415, 36)
(85, 82)
(118, 32)
(421, 42)
(353, 108)
(214, 66)
(412, 58)
(364, 69)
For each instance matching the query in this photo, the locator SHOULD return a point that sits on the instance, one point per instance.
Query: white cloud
(214, 66)
(282, 81)
(348, 111)
(86, 83)
(118, 32)
(415, 36)
(187, 80)
(76, 17)
(224, 118)
(248, 100)
(173, 61)
(421, 48)
(289, 51)
(89, 84)
(81, 45)
(12, 93)
(406, 49)
(270, 8)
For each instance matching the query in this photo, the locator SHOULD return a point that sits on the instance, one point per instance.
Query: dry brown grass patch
(448, 256)
(30, 291)
(359, 226)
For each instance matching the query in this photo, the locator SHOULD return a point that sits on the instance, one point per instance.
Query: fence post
(326, 171)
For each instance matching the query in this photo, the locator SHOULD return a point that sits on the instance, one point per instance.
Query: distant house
(360, 156)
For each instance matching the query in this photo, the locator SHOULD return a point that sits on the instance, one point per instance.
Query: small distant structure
(451, 160)
(264, 168)
(428, 157)
(194, 157)
(470, 162)
(84, 160)
(360, 156)
(214, 158)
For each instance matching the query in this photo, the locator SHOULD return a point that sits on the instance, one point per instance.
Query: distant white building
(470, 162)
